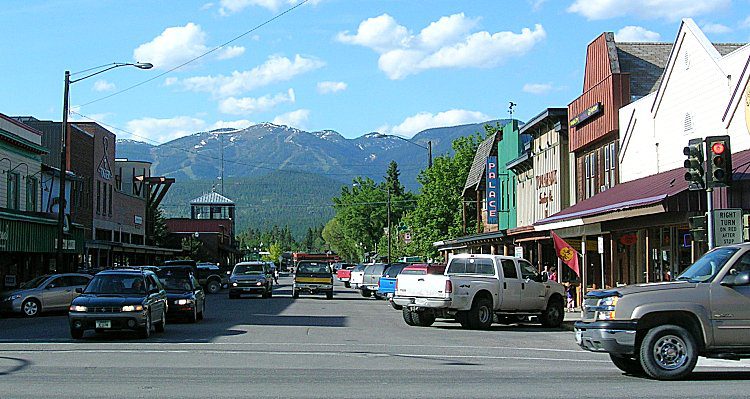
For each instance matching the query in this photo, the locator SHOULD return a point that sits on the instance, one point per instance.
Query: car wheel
(366, 293)
(270, 291)
(407, 316)
(480, 314)
(463, 318)
(264, 294)
(423, 319)
(31, 308)
(76, 333)
(329, 295)
(193, 317)
(161, 326)
(347, 284)
(668, 352)
(627, 364)
(554, 314)
(295, 294)
(213, 287)
(203, 310)
(146, 330)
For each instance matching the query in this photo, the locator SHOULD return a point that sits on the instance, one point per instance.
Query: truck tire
(668, 352)
(213, 286)
(554, 315)
(347, 284)
(463, 318)
(407, 316)
(423, 318)
(481, 314)
(366, 293)
(329, 294)
(626, 364)
(295, 294)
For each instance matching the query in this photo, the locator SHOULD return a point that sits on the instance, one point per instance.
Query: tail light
(448, 287)
(396, 285)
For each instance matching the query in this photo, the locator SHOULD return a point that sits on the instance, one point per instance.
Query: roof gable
(476, 173)
(212, 198)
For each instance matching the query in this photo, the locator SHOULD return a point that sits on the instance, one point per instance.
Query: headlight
(183, 301)
(606, 308)
(77, 308)
(234, 284)
(259, 283)
(12, 297)
(132, 308)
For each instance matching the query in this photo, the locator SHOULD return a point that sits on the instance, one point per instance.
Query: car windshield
(312, 268)
(706, 268)
(248, 269)
(118, 284)
(175, 280)
(35, 282)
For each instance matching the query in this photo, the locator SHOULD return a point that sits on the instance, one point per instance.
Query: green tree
(439, 209)
(275, 252)
(158, 234)
(336, 238)
(392, 179)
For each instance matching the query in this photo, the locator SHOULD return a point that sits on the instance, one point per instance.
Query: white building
(703, 93)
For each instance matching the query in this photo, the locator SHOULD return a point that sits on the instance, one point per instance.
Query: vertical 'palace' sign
(492, 191)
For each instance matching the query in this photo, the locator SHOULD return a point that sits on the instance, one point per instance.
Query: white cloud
(297, 119)
(231, 52)
(103, 85)
(331, 87)
(233, 6)
(671, 10)
(446, 43)
(166, 129)
(425, 120)
(716, 28)
(537, 88)
(745, 23)
(275, 69)
(207, 6)
(249, 105)
(173, 47)
(636, 34)
(238, 124)
(536, 5)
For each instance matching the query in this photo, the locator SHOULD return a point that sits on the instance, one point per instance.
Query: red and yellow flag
(566, 253)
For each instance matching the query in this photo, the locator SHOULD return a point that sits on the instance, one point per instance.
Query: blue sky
(354, 66)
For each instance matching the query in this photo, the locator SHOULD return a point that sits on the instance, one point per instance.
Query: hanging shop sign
(492, 191)
(591, 111)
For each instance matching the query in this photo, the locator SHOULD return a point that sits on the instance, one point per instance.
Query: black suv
(185, 295)
(208, 274)
(120, 300)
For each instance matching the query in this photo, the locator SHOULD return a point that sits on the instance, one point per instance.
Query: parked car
(251, 278)
(474, 287)
(357, 276)
(43, 293)
(371, 278)
(123, 299)
(185, 295)
(209, 275)
(314, 278)
(387, 284)
(344, 273)
(661, 329)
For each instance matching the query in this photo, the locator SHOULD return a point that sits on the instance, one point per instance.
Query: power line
(277, 16)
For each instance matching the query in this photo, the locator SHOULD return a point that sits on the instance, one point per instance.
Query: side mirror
(79, 290)
(739, 279)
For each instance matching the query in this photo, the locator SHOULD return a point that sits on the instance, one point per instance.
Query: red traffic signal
(718, 148)
(719, 165)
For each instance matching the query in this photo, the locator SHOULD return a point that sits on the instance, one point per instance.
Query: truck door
(532, 289)
(511, 288)
(730, 308)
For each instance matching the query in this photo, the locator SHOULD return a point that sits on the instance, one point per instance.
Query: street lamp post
(63, 151)
(389, 224)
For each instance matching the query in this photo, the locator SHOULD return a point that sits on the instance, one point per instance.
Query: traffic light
(694, 164)
(698, 227)
(719, 161)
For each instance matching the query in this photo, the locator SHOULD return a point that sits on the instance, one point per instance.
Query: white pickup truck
(476, 287)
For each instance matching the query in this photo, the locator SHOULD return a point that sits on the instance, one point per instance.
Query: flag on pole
(566, 253)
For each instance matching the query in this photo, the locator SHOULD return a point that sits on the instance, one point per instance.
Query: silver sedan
(47, 292)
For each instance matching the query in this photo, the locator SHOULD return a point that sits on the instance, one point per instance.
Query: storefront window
(31, 193)
(13, 194)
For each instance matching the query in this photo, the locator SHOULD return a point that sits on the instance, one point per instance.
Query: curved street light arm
(141, 65)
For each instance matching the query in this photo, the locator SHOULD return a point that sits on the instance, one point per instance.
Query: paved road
(313, 347)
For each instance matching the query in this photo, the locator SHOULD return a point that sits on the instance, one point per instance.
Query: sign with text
(492, 191)
(585, 115)
(518, 252)
(727, 226)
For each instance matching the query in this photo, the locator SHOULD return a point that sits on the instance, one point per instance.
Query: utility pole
(222, 163)
(389, 224)
(63, 168)
(429, 153)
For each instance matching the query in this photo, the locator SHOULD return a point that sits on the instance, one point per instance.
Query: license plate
(247, 289)
(578, 337)
(103, 324)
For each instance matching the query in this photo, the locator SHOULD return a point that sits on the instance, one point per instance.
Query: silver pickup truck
(661, 329)
(476, 287)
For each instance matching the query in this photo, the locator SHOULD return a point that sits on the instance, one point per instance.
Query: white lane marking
(141, 344)
(340, 354)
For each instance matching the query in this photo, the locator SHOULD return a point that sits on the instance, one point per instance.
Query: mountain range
(279, 175)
